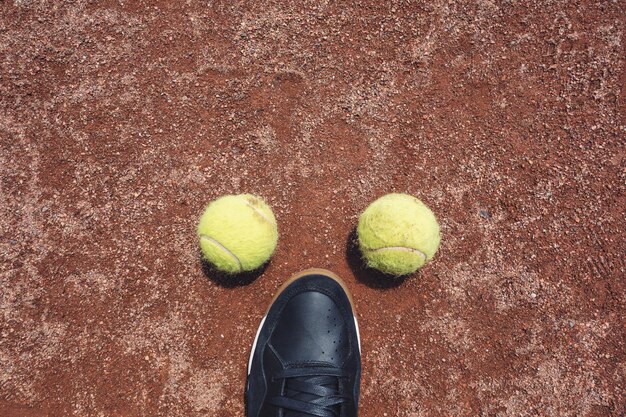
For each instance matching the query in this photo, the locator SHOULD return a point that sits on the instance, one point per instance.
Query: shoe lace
(315, 391)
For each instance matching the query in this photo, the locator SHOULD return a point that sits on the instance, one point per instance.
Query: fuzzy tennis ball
(398, 234)
(237, 233)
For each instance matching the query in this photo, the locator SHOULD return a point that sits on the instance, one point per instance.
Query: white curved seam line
(224, 248)
(401, 248)
(267, 219)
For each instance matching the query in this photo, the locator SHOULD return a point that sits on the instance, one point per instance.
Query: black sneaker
(306, 358)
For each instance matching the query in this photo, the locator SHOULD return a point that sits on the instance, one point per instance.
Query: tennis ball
(237, 233)
(398, 234)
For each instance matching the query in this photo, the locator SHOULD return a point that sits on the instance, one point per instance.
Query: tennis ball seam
(401, 248)
(224, 248)
(267, 219)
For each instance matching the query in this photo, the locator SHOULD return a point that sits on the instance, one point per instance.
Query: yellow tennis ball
(237, 233)
(398, 234)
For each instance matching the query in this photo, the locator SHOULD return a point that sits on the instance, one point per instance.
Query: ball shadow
(368, 276)
(230, 280)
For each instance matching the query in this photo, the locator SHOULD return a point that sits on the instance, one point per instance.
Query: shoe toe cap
(314, 324)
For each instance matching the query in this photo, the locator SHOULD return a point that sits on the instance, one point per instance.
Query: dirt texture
(120, 120)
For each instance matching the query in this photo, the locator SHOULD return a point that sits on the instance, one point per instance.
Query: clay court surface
(120, 120)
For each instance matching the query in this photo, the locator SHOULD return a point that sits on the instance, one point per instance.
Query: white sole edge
(256, 339)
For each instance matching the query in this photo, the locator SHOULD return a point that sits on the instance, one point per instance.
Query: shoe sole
(301, 274)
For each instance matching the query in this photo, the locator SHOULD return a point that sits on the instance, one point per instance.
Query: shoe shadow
(230, 280)
(368, 276)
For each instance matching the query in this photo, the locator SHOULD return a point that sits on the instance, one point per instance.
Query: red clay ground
(120, 120)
